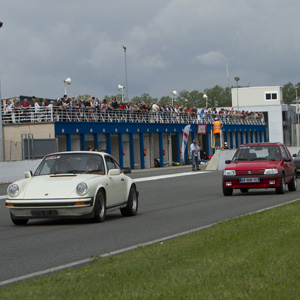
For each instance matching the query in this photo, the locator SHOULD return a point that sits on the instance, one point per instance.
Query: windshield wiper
(93, 171)
(76, 171)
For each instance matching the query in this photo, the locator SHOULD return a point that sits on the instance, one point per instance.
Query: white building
(269, 100)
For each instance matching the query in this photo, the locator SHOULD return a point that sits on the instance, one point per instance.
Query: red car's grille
(250, 172)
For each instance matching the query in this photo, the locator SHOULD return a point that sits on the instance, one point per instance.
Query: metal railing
(57, 114)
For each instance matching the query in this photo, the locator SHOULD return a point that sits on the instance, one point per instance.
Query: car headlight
(82, 188)
(229, 173)
(13, 190)
(270, 171)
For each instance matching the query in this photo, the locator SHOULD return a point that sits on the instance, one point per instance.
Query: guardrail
(57, 114)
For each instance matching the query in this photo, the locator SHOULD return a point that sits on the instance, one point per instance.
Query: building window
(270, 96)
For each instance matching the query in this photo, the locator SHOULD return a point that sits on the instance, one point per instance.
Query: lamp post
(206, 99)
(1, 125)
(121, 88)
(237, 93)
(174, 93)
(67, 82)
(125, 48)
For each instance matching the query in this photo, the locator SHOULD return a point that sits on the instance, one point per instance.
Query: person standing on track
(195, 150)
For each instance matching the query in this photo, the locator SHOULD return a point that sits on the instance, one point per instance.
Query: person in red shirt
(26, 110)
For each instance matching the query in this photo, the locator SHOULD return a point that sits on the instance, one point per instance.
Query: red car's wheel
(293, 184)
(227, 191)
(281, 188)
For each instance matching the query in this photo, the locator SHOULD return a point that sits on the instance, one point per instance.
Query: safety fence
(58, 114)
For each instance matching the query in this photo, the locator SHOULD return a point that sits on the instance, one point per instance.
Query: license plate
(249, 180)
(43, 213)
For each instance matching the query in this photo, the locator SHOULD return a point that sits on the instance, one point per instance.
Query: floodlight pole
(237, 92)
(125, 48)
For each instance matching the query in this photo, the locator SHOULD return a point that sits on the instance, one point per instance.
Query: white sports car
(74, 184)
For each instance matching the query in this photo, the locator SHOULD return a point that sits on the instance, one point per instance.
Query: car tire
(18, 221)
(281, 188)
(293, 184)
(132, 203)
(227, 191)
(99, 208)
(244, 190)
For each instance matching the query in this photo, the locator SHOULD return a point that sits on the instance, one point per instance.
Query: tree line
(216, 97)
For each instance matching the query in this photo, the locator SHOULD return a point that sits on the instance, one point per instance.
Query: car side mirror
(228, 161)
(114, 172)
(288, 159)
(28, 174)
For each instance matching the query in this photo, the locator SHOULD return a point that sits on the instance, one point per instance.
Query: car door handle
(122, 179)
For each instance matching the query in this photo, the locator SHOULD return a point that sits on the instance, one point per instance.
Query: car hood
(257, 167)
(63, 186)
(256, 164)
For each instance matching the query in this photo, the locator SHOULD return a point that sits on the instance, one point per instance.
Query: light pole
(174, 93)
(67, 82)
(121, 88)
(125, 48)
(1, 125)
(206, 99)
(237, 93)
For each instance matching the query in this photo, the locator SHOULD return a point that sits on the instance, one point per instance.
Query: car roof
(79, 152)
(261, 144)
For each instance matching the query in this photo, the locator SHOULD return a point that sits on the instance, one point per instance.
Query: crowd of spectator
(92, 109)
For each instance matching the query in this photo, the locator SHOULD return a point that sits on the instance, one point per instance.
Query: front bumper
(264, 181)
(50, 208)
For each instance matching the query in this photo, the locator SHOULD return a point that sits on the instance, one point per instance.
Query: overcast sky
(171, 45)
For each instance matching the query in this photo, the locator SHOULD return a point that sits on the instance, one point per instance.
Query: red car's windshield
(258, 152)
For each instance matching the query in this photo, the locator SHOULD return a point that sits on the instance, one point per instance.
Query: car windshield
(257, 152)
(71, 164)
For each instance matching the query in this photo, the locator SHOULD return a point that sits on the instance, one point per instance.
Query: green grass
(252, 257)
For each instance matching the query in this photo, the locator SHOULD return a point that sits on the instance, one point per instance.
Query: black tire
(293, 184)
(281, 188)
(227, 191)
(18, 221)
(244, 190)
(99, 208)
(132, 203)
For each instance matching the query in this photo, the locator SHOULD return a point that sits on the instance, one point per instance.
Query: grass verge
(252, 257)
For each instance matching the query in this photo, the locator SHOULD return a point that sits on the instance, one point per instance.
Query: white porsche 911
(74, 184)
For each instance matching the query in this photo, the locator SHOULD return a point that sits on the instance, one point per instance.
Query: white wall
(14, 170)
(255, 96)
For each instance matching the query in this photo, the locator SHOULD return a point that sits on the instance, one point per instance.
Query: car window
(274, 153)
(71, 163)
(111, 163)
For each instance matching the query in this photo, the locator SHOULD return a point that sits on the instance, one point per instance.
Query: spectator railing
(57, 114)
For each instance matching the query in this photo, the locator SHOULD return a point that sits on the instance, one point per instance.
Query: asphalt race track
(172, 201)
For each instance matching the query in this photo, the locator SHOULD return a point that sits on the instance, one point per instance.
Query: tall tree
(289, 93)
(166, 100)
(218, 96)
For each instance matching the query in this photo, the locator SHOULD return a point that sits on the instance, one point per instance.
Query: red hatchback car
(261, 165)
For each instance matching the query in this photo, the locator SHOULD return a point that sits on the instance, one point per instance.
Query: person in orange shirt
(217, 127)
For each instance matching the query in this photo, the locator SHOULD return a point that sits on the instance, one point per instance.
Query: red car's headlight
(229, 173)
(270, 171)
